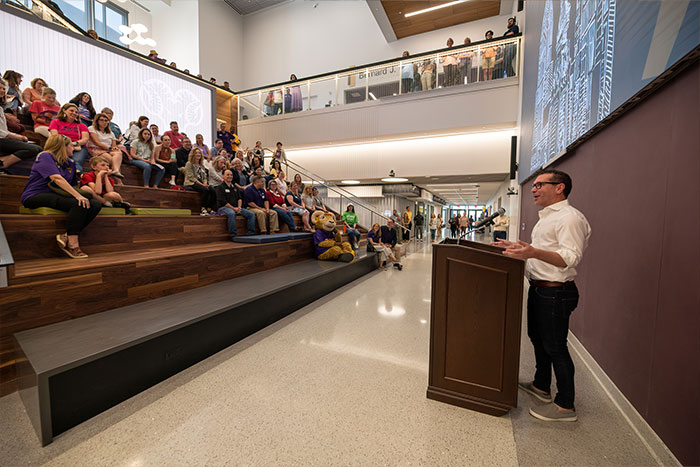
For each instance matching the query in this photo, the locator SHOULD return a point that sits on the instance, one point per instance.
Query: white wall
(176, 30)
(297, 38)
(220, 43)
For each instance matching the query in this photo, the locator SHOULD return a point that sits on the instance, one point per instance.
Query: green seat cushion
(161, 212)
(44, 211)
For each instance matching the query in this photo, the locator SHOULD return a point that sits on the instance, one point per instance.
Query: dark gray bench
(73, 370)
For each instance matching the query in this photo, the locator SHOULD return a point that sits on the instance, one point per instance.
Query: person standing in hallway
(398, 222)
(406, 75)
(440, 226)
(558, 241)
(418, 220)
(500, 228)
(407, 218)
(434, 224)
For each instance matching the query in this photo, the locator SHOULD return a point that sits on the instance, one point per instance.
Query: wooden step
(134, 176)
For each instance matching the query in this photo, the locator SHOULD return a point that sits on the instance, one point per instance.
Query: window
(104, 18)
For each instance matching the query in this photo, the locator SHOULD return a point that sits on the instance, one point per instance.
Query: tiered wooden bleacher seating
(131, 259)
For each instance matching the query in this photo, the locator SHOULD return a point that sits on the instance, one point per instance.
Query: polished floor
(340, 382)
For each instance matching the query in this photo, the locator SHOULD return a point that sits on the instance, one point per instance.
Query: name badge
(172, 156)
(227, 190)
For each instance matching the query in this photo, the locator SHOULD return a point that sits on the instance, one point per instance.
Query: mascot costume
(327, 242)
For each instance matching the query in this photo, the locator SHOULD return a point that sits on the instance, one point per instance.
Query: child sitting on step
(99, 184)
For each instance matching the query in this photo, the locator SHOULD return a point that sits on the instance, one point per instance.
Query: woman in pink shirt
(67, 123)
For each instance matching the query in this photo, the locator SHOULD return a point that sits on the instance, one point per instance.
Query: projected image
(585, 58)
(574, 77)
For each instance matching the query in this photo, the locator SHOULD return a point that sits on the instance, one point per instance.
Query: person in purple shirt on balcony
(50, 185)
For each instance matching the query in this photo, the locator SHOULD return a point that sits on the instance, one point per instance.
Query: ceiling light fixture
(392, 178)
(433, 8)
(350, 182)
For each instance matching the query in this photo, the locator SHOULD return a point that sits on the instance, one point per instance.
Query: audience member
(500, 228)
(256, 201)
(280, 155)
(92, 33)
(465, 63)
(13, 146)
(165, 156)
(277, 204)
(199, 142)
(307, 199)
(155, 132)
(212, 80)
(407, 218)
(54, 167)
(43, 111)
(257, 164)
(449, 66)
(297, 101)
(216, 173)
(390, 237)
(374, 243)
(296, 205)
(463, 225)
(132, 133)
(218, 145)
(454, 225)
(103, 143)
(488, 60)
(240, 176)
(34, 93)
(349, 220)
(318, 204)
(197, 179)
(281, 183)
(440, 226)
(116, 131)
(258, 150)
(300, 184)
(142, 157)
(433, 226)
(406, 75)
(182, 154)
(173, 65)
(427, 75)
(511, 50)
(175, 136)
(85, 108)
(13, 95)
(275, 168)
(226, 137)
(67, 123)
(226, 86)
(98, 182)
(229, 201)
(277, 100)
(398, 223)
(418, 221)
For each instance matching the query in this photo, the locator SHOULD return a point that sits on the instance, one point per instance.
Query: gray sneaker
(530, 389)
(552, 413)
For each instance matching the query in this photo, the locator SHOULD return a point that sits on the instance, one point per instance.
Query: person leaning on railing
(55, 167)
(511, 50)
(449, 65)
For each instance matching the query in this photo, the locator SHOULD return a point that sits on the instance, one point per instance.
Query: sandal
(62, 240)
(75, 253)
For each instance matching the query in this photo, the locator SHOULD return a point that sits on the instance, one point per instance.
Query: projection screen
(130, 87)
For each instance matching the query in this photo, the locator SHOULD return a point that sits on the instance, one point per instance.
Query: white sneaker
(171, 183)
(204, 212)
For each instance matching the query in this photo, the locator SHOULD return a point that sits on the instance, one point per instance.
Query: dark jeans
(354, 235)
(170, 168)
(19, 149)
(499, 234)
(231, 220)
(407, 232)
(286, 217)
(548, 311)
(78, 218)
(406, 85)
(208, 195)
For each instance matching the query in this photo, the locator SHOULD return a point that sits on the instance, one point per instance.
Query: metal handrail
(338, 190)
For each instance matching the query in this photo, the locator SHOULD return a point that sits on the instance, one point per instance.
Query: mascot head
(323, 220)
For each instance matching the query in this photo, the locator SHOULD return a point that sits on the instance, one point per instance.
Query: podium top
(470, 244)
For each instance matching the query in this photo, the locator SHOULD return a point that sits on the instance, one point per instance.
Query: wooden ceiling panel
(457, 14)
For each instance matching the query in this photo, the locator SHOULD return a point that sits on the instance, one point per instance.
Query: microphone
(487, 220)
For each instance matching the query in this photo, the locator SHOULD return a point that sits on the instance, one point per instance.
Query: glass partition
(322, 93)
(458, 66)
(249, 106)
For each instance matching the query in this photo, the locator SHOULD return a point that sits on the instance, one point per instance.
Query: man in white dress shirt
(558, 241)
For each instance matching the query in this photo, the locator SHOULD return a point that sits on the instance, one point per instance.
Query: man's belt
(537, 283)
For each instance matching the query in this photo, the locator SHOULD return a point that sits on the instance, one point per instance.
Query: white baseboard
(656, 447)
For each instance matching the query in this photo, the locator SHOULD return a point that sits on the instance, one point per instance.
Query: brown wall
(638, 183)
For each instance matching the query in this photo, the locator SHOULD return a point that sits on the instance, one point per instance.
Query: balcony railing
(457, 66)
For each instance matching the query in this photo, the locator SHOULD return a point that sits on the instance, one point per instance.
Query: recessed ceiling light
(394, 179)
(350, 182)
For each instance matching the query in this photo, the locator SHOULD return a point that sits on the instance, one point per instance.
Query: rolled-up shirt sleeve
(572, 237)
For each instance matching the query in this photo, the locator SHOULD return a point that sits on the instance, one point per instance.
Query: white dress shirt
(563, 229)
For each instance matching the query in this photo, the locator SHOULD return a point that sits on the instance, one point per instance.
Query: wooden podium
(475, 327)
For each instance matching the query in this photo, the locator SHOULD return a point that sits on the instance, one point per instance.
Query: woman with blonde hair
(50, 185)
(434, 224)
(102, 142)
(34, 93)
(197, 179)
(307, 199)
(216, 173)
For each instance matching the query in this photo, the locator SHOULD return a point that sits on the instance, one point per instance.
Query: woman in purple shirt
(54, 166)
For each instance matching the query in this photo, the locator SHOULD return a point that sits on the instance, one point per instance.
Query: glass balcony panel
(352, 87)
(295, 98)
(272, 101)
(467, 66)
(384, 81)
(249, 106)
(322, 93)
(447, 69)
(425, 77)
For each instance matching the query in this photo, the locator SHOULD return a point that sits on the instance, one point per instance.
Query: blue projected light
(593, 55)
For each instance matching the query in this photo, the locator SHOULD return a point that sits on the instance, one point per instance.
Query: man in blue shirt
(390, 238)
(256, 202)
(511, 50)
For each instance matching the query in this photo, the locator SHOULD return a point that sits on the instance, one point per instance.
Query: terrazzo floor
(340, 382)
